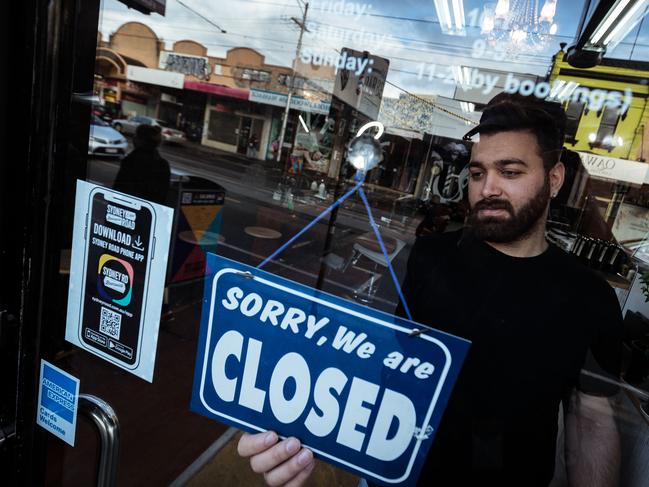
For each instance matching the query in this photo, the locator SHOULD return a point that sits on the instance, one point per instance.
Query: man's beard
(515, 227)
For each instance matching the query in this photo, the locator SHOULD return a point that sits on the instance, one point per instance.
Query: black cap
(513, 111)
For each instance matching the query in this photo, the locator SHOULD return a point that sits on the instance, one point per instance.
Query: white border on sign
(438, 390)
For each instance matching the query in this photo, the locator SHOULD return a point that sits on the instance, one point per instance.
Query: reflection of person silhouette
(251, 151)
(144, 173)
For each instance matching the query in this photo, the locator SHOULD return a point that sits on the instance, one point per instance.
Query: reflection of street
(249, 202)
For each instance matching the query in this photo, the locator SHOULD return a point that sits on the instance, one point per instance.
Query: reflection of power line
(198, 14)
(169, 39)
(439, 45)
(273, 3)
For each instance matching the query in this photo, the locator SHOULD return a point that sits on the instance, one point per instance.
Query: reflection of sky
(406, 32)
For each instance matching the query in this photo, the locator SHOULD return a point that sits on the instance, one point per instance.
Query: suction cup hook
(365, 151)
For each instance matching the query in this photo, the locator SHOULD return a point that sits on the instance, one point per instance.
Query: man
(144, 173)
(532, 314)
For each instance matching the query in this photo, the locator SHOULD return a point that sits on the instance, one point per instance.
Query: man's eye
(510, 174)
(476, 175)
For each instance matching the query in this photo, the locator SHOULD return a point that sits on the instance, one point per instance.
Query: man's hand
(282, 464)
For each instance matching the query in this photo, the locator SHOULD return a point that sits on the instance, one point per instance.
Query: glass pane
(260, 101)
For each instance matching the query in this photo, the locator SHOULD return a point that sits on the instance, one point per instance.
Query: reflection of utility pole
(291, 84)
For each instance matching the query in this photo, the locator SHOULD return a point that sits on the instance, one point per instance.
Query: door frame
(51, 49)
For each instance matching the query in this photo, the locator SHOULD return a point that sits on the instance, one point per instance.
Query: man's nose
(491, 185)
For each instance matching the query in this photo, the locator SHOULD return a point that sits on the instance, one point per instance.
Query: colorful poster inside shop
(197, 231)
(117, 276)
(355, 385)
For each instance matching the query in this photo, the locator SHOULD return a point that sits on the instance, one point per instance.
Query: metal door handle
(105, 419)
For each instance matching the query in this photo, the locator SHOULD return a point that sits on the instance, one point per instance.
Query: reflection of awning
(406, 133)
(217, 90)
(297, 102)
(155, 77)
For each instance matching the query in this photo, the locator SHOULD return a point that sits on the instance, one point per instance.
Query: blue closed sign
(350, 382)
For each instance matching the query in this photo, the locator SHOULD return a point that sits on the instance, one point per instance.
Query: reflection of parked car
(104, 140)
(128, 126)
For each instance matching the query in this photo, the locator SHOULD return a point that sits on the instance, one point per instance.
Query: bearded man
(532, 312)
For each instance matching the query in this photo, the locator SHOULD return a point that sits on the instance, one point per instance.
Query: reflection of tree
(407, 112)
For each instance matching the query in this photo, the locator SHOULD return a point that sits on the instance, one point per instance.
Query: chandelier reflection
(519, 26)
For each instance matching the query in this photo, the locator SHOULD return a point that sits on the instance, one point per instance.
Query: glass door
(310, 75)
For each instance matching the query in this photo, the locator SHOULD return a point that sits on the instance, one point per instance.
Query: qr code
(110, 323)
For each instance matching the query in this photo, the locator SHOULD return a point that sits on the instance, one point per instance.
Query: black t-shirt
(531, 322)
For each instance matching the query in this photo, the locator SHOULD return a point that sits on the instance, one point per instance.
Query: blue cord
(385, 252)
(316, 220)
(360, 178)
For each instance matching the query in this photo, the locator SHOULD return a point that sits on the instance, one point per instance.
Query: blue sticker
(58, 396)
(350, 382)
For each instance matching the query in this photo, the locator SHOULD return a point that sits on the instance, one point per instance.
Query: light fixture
(450, 14)
(458, 13)
(519, 35)
(616, 24)
(502, 9)
(562, 90)
(620, 141)
(567, 90)
(519, 27)
(556, 88)
(592, 137)
(548, 11)
(306, 129)
(467, 107)
(487, 25)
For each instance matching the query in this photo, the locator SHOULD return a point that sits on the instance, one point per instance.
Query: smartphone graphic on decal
(118, 254)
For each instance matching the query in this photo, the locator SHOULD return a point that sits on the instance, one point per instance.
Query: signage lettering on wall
(614, 168)
(348, 381)
(297, 102)
(197, 66)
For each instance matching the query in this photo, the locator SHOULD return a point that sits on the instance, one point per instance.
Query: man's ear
(556, 175)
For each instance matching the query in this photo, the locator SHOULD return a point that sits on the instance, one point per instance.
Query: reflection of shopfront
(238, 126)
(139, 99)
(170, 108)
(249, 135)
(606, 106)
